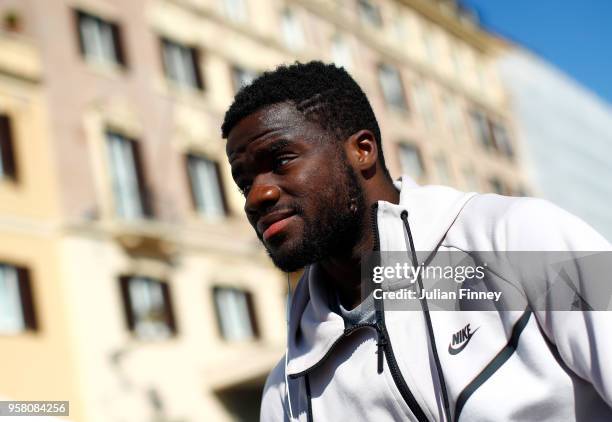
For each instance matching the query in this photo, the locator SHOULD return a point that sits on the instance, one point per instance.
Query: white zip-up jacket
(523, 365)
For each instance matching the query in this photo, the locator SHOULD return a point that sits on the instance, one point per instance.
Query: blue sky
(575, 36)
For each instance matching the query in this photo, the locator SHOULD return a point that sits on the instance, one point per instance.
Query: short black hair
(323, 92)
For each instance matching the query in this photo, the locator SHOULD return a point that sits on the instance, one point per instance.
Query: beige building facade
(131, 283)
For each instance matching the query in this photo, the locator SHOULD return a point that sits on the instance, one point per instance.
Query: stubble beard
(335, 231)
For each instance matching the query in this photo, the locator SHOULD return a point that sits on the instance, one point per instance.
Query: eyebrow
(269, 147)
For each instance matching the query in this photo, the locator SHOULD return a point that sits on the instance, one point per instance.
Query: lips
(274, 223)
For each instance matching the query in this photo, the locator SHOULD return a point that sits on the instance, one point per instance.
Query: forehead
(283, 118)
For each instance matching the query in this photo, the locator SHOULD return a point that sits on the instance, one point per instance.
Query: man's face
(303, 199)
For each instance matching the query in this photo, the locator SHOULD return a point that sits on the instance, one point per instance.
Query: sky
(573, 35)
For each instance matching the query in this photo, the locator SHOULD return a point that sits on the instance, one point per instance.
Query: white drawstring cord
(288, 308)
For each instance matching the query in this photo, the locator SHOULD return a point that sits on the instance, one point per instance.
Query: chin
(288, 257)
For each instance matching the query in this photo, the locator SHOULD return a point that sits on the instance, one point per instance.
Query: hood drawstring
(430, 331)
(308, 399)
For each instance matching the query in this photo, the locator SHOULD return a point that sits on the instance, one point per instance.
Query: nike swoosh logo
(454, 351)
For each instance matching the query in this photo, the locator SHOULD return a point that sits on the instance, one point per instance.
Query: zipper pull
(382, 342)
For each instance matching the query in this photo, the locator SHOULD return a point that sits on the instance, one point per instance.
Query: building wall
(35, 363)
(195, 374)
(567, 136)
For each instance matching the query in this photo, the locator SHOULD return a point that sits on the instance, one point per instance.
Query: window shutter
(118, 43)
(145, 193)
(188, 172)
(221, 187)
(162, 55)
(168, 308)
(195, 57)
(124, 283)
(252, 314)
(77, 24)
(7, 154)
(215, 296)
(27, 301)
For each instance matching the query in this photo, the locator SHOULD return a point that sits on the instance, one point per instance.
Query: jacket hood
(313, 326)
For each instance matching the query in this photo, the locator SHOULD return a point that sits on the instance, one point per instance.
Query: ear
(361, 150)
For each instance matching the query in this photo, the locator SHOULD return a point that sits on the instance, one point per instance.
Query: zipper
(374, 225)
(396, 374)
(383, 345)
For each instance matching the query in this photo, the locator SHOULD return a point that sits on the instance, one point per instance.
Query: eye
(282, 161)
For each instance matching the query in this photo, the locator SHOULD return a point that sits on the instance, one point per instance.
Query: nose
(260, 197)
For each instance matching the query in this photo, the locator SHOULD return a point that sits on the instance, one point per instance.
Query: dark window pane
(99, 40)
(235, 314)
(8, 168)
(147, 307)
(182, 64)
(369, 13)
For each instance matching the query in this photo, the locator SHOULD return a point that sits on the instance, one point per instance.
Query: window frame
(251, 312)
(239, 15)
(28, 314)
(370, 13)
(403, 146)
(169, 318)
(292, 30)
(195, 57)
(390, 69)
(144, 193)
(235, 69)
(119, 56)
(189, 157)
(8, 160)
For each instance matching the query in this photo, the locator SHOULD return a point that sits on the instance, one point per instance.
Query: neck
(344, 272)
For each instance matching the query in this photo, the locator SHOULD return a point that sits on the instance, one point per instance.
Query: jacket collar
(313, 326)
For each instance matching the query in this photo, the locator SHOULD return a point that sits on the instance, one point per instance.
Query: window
(453, 117)
(481, 74)
(457, 66)
(99, 40)
(235, 313)
(130, 196)
(442, 170)
(428, 43)
(400, 28)
(182, 64)
(341, 53)
(502, 140)
(148, 308)
(392, 87)
(242, 77)
(411, 161)
(497, 186)
(8, 169)
(369, 13)
(206, 185)
(482, 129)
(424, 103)
(235, 10)
(16, 304)
(293, 34)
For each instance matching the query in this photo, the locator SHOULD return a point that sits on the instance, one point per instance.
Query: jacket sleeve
(273, 398)
(583, 338)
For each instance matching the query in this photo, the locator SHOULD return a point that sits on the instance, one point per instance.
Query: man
(305, 149)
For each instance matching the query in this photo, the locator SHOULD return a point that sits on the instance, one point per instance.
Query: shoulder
(273, 398)
(524, 223)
